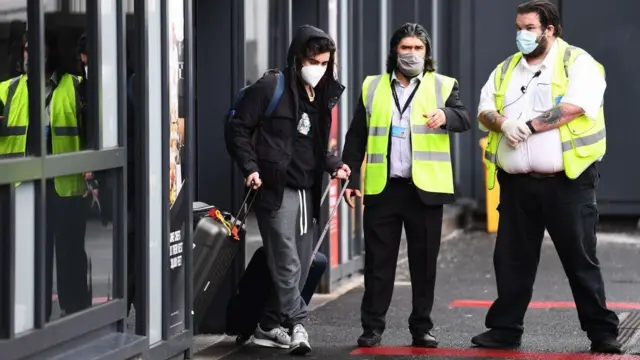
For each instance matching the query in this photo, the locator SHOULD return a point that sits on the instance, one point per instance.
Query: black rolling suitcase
(246, 306)
(216, 240)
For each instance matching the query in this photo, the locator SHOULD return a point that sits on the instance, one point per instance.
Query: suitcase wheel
(241, 339)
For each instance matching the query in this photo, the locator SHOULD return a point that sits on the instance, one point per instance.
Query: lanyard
(406, 104)
(47, 100)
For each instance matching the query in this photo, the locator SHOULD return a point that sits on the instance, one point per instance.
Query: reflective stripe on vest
(65, 136)
(431, 161)
(583, 140)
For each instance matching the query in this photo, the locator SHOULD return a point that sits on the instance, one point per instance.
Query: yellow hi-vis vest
(583, 141)
(431, 160)
(65, 137)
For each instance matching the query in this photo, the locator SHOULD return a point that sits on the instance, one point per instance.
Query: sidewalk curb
(320, 300)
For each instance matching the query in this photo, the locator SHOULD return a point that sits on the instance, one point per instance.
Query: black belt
(536, 175)
(401, 180)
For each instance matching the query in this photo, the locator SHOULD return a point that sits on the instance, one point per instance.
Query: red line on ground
(486, 353)
(543, 304)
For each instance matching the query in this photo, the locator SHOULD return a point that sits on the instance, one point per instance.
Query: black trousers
(399, 204)
(66, 229)
(568, 210)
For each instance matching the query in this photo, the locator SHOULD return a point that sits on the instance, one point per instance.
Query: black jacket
(458, 120)
(275, 138)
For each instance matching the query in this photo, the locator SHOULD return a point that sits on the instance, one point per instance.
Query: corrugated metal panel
(617, 48)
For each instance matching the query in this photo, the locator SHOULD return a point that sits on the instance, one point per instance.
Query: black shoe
(425, 341)
(494, 340)
(369, 339)
(606, 346)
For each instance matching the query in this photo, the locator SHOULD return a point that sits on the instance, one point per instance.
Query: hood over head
(300, 39)
(299, 44)
(297, 49)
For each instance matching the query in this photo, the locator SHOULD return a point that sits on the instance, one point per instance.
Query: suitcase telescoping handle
(326, 190)
(246, 205)
(333, 212)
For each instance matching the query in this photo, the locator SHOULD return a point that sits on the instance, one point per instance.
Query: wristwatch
(533, 131)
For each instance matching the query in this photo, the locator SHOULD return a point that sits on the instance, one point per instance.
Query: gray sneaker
(300, 341)
(275, 338)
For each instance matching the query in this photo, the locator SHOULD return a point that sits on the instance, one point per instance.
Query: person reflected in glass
(103, 185)
(65, 206)
(99, 190)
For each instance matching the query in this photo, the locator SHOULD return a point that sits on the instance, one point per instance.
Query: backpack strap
(277, 94)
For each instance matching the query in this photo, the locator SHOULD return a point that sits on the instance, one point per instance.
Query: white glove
(515, 131)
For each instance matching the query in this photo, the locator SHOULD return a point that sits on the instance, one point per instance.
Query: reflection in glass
(24, 248)
(79, 236)
(155, 189)
(66, 230)
(12, 128)
(256, 45)
(13, 16)
(5, 260)
(256, 60)
(80, 246)
(109, 85)
(133, 159)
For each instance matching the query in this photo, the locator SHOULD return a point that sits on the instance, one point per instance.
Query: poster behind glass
(178, 207)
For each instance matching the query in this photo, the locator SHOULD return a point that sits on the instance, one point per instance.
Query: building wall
(616, 47)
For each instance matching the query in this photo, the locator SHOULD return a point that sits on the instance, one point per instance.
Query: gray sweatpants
(287, 235)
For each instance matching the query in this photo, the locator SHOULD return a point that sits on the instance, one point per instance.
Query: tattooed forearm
(549, 117)
(492, 117)
(555, 117)
(492, 120)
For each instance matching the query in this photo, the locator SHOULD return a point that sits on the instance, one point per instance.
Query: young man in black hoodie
(286, 162)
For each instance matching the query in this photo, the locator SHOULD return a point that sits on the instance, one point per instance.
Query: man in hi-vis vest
(402, 124)
(543, 108)
(66, 210)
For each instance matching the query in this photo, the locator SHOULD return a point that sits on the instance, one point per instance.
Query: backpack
(275, 98)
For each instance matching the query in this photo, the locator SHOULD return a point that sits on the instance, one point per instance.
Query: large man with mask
(287, 163)
(66, 210)
(543, 108)
(402, 122)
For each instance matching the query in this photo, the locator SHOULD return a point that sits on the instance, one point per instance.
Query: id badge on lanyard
(401, 131)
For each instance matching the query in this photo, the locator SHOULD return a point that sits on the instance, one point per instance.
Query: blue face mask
(526, 41)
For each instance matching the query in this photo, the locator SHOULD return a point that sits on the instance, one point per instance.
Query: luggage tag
(399, 132)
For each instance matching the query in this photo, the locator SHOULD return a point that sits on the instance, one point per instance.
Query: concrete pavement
(465, 287)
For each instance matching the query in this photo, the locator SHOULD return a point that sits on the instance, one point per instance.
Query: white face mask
(313, 73)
